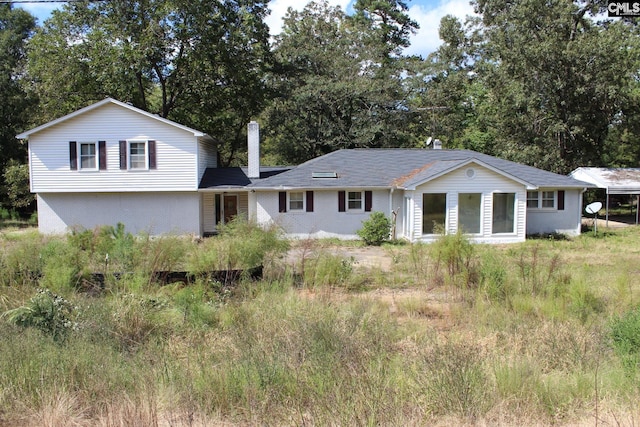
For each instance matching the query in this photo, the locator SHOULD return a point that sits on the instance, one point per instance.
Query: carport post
(607, 210)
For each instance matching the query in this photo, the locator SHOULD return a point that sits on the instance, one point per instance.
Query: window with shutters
(296, 201)
(354, 201)
(138, 155)
(88, 156)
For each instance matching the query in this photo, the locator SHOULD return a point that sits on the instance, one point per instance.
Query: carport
(620, 181)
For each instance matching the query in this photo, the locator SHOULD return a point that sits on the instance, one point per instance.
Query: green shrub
(240, 245)
(457, 254)
(327, 270)
(50, 313)
(375, 230)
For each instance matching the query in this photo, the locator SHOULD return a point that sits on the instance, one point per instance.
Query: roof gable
(106, 101)
(441, 168)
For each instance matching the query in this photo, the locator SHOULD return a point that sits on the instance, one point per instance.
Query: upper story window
(88, 156)
(137, 155)
(354, 200)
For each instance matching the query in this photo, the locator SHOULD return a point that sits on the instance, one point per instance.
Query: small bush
(375, 230)
(457, 254)
(328, 270)
(50, 313)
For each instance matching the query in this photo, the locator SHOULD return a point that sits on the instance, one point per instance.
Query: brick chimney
(253, 141)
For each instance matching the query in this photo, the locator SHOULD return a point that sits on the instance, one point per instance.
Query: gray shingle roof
(402, 168)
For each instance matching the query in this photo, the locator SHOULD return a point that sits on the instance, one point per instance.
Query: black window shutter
(102, 155)
(560, 200)
(123, 155)
(309, 201)
(282, 201)
(368, 201)
(152, 154)
(73, 155)
(341, 201)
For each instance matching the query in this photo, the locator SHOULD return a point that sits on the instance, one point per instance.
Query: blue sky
(426, 12)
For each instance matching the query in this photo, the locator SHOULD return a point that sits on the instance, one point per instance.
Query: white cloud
(426, 40)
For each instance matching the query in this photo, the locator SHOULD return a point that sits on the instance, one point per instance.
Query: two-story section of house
(111, 162)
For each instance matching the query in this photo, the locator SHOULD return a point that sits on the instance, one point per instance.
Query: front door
(230, 207)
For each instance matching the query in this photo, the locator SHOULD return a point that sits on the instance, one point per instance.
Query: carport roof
(614, 180)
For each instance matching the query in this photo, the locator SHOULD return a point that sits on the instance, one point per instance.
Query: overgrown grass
(544, 332)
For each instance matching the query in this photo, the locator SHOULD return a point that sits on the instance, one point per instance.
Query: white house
(111, 162)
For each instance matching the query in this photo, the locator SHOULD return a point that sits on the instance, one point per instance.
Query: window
(296, 201)
(469, 212)
(503, 212)
(354, 200)
(434, 212)
(548, 199)
(541, 199)
(137, 155)
(88, 156)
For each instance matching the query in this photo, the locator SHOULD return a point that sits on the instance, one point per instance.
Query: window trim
(540, 199)
(446, 213)
(303, 198)
(480, 214)
(145, 155)
(348, 200)
(515, 214)
(95, 156)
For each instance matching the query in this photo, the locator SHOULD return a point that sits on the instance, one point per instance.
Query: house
(426, 191)
(111, 162)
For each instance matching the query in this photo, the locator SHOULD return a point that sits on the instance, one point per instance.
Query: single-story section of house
(111, 162)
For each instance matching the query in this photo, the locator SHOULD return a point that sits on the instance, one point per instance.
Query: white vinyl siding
(484, 182)
(176, 151)
(207, 156)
